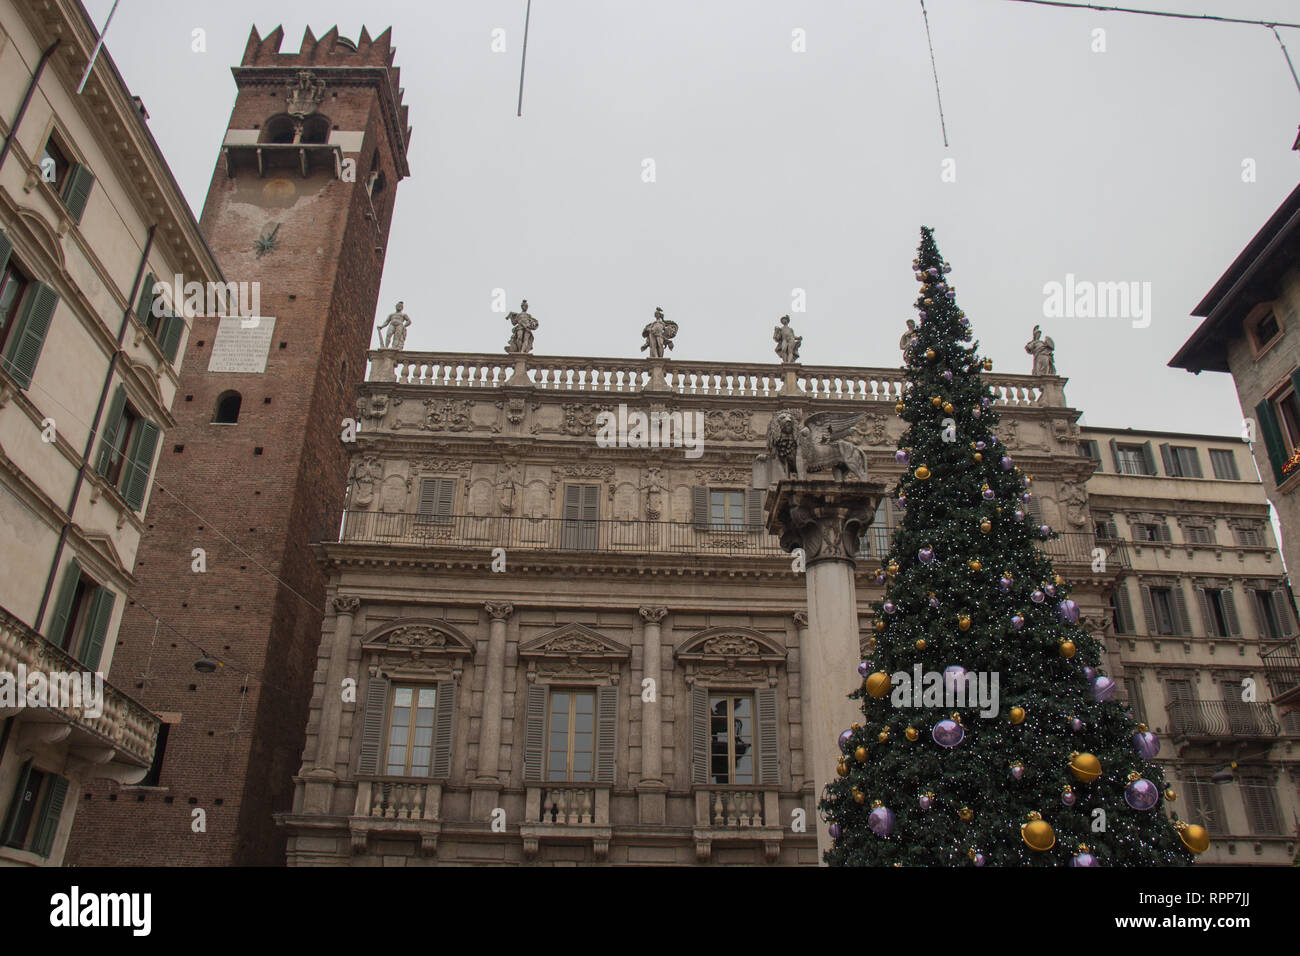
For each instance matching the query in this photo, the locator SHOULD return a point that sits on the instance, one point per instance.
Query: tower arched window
(227, 412)
(278, 129)
(316, 129)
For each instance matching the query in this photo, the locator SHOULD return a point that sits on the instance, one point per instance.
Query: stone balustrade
(735, 808)
(125, 725)
(568, 806)
(713, 379)
(398, 800)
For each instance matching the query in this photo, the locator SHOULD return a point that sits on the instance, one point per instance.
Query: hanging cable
(943, 126)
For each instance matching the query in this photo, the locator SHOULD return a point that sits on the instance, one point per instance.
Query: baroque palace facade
(539, 649)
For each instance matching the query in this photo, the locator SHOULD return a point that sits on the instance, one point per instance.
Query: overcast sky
(779, 170)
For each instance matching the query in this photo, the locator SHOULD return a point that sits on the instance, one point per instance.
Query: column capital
(653, 615)
(801, 618)
(499, 610)
(823, 517)
(346, 604)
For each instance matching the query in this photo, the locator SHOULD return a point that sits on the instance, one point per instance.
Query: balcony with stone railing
(729, 814)
(118, 743)
(567, 813)
(570, 374)
(404, 806)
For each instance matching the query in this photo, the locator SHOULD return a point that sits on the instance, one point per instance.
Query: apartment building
(1195, 618)
(89, 215)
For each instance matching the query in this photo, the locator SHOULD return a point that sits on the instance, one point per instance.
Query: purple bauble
(900, 456)
(1067, 610)
(954, 675)
(947, 375)
(1017, 621)
(846, 738)
(881, 821)
(888, 607)
(979, 859)
(922, 315)
(1020, 515)
(1146, 744)
(950, 295)
(902, 501)
(1141, 794)
(989, 494)
(965, 322)
(948, 733)
(993, 439)
(925, 802)
(925, 555)
(1103, 689)
(1051, 590)
(1076, 724)
(975, 413)
(1068, 797)
(1089, 673)
(1044, 530)
(932, 272)
(940, 287)
(834, 831)
(880, 577)
(934, 602)
(1007, 463)
(980, 446)
(1026, 497)
(1084, 859)
(986, 402)
(1038, 597)
(1017, 772)
(864, 668)
(1004, 583)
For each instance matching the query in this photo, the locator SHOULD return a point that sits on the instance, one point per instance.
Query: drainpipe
(27, 98)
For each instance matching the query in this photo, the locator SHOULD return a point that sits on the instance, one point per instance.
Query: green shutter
(1148, 610)
(144, 304)
(699, 734)
(1167, 457)
(769, 764)
(534, 733)
(1114, 455)
(29, 331)
(16, 805)
(372, 725)
(63, 604)
(109, 433)
(445, 732)
(1182, 623)
(169, 336)
(48, 823)
(700, 507)
(6, 249)
(1230, 612)
(1124, 607)
(606, 733)
(77, 190)
(446, 497)
(139, 463)
(1272, 438)
(1149, 457)
(754, 508)
(101, 612)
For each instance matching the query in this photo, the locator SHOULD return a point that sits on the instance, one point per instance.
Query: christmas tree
(989, 736)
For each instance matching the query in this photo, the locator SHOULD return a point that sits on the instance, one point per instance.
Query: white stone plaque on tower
(242, 344)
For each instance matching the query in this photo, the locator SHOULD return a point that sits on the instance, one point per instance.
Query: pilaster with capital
(322, 775)
(489, 748)
(652, 750)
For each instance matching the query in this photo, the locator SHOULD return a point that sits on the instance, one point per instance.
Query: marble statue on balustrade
(909, 336)
(397, 323)
(787, 343)
(521, 335)
(799, 449)
(658, 334)
(1043, 349)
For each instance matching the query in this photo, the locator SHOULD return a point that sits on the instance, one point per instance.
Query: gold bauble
(966, 814)
(911, 733)
(855, 726)
(988, 365)
(930, 353)
(963, 621)
(842, 769)
(878, 684)
(978, 456)
(892, 569)
(929, 301)
(920, 644)
(1038, 834)
(883, 736)
(860, 755)
(922, 473)
(1067, 649)
(986, 526)
(880, 625)
(948, 408)
(1195, 838)
(1017, 715)
(1171, 795)
(1085, 767)
(899, 408)
(859, 796)
(1060, 581)
(936, 401)
(975, 564)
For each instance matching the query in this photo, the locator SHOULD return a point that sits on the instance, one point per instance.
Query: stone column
(489, 746)
(652, 749)
(322, 776)
(798, 745)
(825, 519)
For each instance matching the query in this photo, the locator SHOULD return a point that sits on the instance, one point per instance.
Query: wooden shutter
(16, 805)
(1148, 456)
(769, 745)
(108, 434)
(754, 515)
(29, 330)
(445, 504)
(1230, 612)
(444, 734)
(77, 190)
(700, 507)
(47, 825)
(1148, 610)
(144, 304)
(427, 506)
(1036, 509)
(1124, 607)
(169, 336)
(1282, 608)
(372, 726)
(1182, 622)
(534, 732)
(139, 463)
(606, 732)
(1170, 462)
(1194, 457)
(699, 734)
(1268, 427)
(58, 629)
(1261, 808)
(1162, 531)
(1114, 455)
(6, 250)
(1133, 691)
(1207, 613)
(101, 612)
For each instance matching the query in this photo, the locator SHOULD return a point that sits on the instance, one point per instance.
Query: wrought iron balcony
(1217, 719)
(1282, 666)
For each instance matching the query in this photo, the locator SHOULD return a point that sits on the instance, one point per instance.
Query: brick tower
(301, 202)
